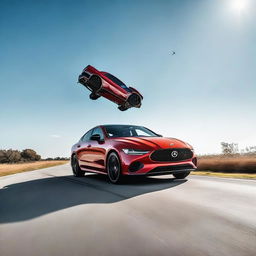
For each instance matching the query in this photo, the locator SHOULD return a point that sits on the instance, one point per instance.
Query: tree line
(56, 158)
(26, 155)
(233, 149)
(16, 156)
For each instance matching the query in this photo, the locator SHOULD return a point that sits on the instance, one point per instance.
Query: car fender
(92, 70)
(110, 151)
(136, 91)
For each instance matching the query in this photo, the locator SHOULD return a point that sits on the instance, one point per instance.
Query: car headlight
(191, 148)
(137, 152)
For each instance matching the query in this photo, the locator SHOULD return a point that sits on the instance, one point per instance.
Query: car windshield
(115, 80)
(129, 131)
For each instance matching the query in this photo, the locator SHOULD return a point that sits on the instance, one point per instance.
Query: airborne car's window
(117, 81)
(128, 131)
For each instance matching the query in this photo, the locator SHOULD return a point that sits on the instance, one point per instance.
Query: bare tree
(229, 148)
(250, 150)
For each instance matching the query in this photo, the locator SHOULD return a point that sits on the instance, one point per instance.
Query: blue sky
(204, 94)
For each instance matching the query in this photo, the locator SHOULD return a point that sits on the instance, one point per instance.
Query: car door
(96, 152)
(83, 147)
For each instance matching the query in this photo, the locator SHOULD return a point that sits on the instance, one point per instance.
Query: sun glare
(239, 6)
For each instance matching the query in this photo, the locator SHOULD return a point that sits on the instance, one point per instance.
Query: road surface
(50, 212)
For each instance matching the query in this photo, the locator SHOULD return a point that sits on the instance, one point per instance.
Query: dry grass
(233, 164)
(216, 165)
(7, 169)
(226, 175)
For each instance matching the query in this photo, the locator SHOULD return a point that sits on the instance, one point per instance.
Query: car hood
(152, 142)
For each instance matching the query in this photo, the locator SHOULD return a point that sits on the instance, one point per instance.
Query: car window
(87, 136)
(141, 133)
(99, 131)
(128, 131)
(115, 80)
(118, 82)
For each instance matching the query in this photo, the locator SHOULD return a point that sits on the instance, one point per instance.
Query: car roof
(105, 125)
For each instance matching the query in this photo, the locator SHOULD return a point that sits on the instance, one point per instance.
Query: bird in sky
(173, 52)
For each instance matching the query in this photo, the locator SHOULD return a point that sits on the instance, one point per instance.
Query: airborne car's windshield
(116, 80)
(128, 131)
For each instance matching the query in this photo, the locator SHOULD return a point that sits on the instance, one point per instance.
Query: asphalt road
(49, 212)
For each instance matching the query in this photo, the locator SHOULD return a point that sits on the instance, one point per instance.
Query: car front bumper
(143, 165)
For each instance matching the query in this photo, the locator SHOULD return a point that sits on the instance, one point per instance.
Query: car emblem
(174, 153)
(171, 144)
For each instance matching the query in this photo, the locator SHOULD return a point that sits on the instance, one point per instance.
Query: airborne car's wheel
(134, 100)
(94, 96)
(122, 108)
(94, 83)
(181, 175)
(75, 167)
(114, 168)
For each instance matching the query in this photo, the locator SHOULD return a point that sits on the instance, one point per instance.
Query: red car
(106, 85)
(119, 150)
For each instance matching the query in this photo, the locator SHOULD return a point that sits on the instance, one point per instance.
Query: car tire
(114, 168)
(94, 83)
(122, 108)
(181, 175)
(76, 168)
(94, 96)
(134, 100)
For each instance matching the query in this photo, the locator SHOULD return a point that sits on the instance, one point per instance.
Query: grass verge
(7, 169)
(228, 164)
(226, 175)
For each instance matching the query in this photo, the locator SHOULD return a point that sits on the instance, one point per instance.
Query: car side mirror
(95, 137)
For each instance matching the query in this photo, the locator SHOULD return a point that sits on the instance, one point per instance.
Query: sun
(239, 5)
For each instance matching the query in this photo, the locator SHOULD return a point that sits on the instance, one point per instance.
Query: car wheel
(122, 108)
(94, 83)
(181, 175)
(134, 100)
(76, 168)
(94, 96)
(114, 168)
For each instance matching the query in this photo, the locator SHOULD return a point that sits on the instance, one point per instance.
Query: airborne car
(119, 150)
(108, 86)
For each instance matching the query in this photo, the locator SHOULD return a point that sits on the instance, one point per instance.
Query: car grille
(85, 74)
(171, 169)
(171, 154)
